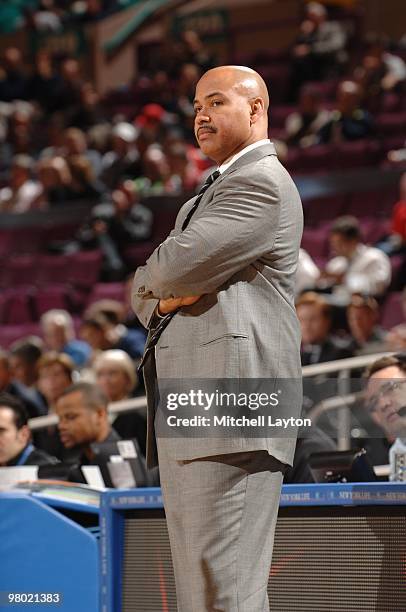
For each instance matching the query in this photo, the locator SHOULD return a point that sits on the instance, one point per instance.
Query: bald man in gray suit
(220, 291)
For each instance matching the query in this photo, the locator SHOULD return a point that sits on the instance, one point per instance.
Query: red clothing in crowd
(399, 219)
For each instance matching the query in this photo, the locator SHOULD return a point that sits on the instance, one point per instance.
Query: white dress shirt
(368, 271)
(243, 151)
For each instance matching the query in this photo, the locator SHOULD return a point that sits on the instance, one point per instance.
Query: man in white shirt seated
(22, 192)
(307, 273)
(357, 268)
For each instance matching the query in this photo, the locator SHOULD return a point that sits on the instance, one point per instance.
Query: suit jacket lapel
(251, 156)
(247, 158)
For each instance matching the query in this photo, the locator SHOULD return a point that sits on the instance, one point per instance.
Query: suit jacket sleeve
(143, 308)
(141, 301)
(236, 228)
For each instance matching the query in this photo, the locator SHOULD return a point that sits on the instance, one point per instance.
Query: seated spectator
(83, 421)
(380, 71)
(103, 331)
(396, 337)
(395, 243)
(55, 375)
(59, 335)
(69, 90)
(318, 345)
(184, 175)
(22, 192)
(46, 17)
(84, 186)
(155, 173)
(24, 358)
(45, 82)
(83, 418)
(302, 126)
(13, 80)
(14, 388)
(307, 273)
(348, 122)
(15, 437)
(123, 159)
(56, 182)
(319, 48)
(115, 226)
(75, 143)
(22, 137)
(357, 268)
(89, 111)
(385, 397)
(362, 317)
(116, 376)
(151, 123)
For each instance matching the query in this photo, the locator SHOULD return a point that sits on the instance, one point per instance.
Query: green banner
(69, 41)
(213, 23)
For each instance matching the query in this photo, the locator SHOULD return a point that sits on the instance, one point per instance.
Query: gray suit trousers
(221, 514)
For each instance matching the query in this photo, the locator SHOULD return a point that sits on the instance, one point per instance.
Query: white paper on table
(121, 475)
(93, 476)
(13, 475)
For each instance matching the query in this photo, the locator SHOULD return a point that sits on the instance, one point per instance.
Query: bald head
(231, 107)
(246, 81)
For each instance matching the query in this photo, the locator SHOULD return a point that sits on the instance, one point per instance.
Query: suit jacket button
(141, 289)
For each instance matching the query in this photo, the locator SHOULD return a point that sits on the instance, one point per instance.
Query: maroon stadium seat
(52, 268)
(18, 270)
(360, 153)
(136, 255)
(315, 242)
(18, 305)
(392, 313)
(51, 296)
(84, 268)
(320, 210)
(102, 291)
(10, 333)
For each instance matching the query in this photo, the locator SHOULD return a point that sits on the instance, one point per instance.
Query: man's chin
(68, 443)
(207, 150)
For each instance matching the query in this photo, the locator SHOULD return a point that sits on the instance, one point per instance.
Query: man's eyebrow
(211, 95)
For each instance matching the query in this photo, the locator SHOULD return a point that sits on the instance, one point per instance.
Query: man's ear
(257, 109)
(24, 434)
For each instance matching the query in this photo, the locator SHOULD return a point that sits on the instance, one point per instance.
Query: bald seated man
(218, 299)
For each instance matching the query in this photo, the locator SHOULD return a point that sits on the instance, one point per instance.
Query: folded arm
(237, 227)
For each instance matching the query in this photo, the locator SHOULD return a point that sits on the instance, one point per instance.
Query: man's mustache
(207, 128)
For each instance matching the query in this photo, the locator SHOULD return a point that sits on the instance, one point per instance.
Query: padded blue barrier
(42, 551)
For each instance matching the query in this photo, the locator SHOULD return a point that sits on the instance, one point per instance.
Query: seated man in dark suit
(318, 345)
(16, 448)
(14, 388)
(83, 421)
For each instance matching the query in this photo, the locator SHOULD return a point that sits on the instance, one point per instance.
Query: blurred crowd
(51, 15)
(60, 144)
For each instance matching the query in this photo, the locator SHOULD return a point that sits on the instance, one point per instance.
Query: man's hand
(171, 304)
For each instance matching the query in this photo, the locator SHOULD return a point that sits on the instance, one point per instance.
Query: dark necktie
(156, 334)
(209, 181)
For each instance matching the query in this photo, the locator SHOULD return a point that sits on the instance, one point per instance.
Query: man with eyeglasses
(386, 400)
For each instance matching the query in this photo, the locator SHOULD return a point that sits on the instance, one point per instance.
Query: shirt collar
(243, 151)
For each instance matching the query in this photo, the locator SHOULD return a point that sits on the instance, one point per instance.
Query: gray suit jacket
(240, 253)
